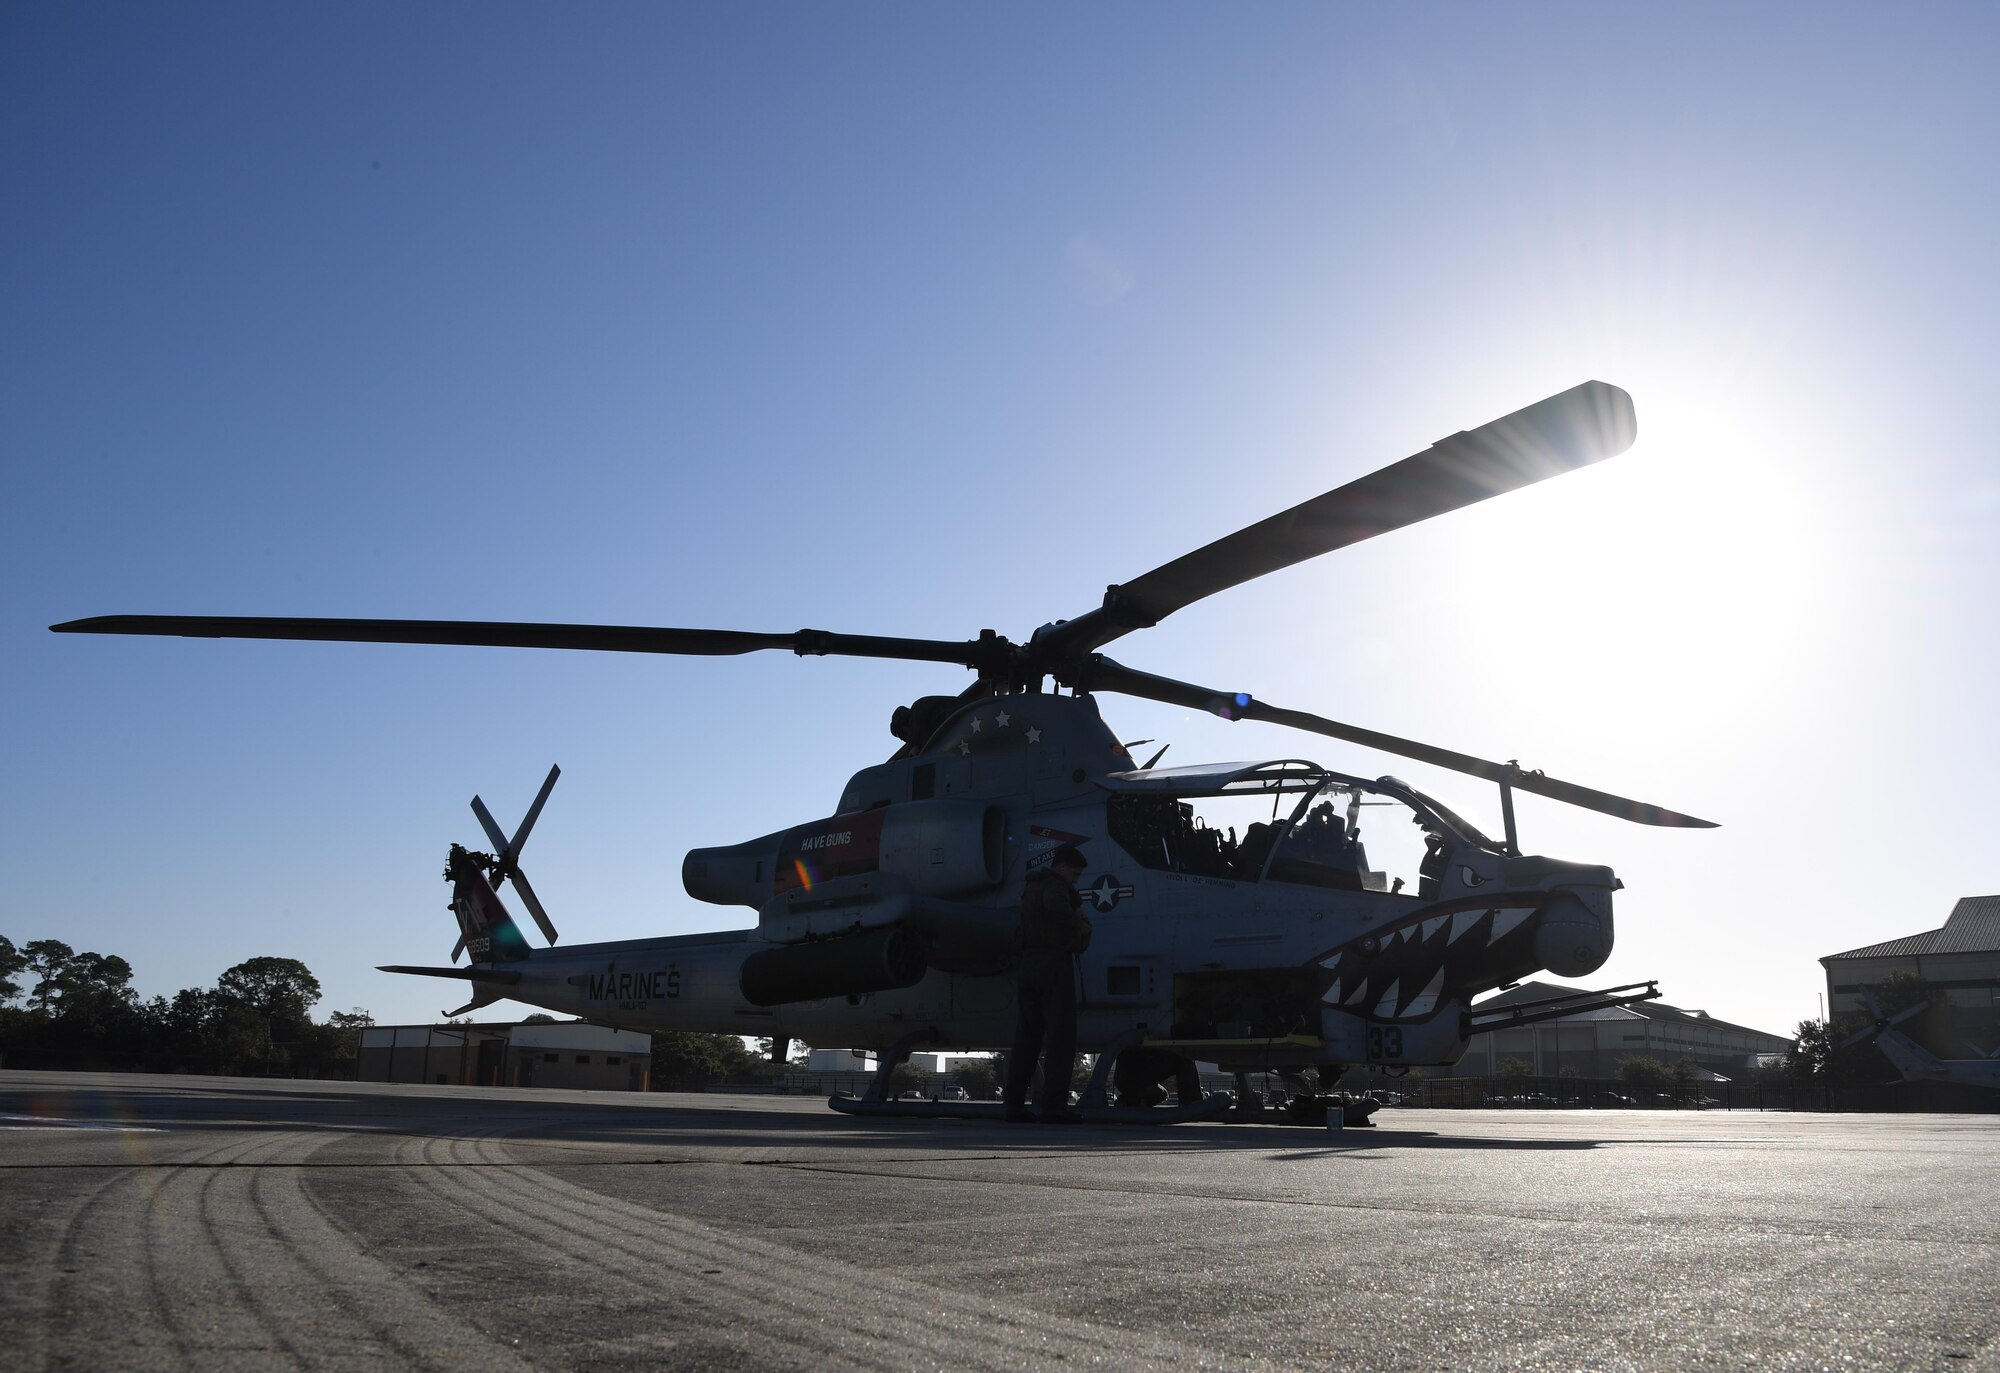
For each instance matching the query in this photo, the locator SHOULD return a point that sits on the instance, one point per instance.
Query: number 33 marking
(1384, 1042)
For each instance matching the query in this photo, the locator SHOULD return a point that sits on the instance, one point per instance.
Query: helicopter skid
(1213, 1107)
(1355, 1112)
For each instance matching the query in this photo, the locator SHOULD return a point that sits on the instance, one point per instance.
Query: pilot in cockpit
(1321, 836)
(1321, 849)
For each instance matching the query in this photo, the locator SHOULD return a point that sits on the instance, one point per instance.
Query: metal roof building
(1592, 1042)
(1959, 961)
(567, 1054)
(1972, 928)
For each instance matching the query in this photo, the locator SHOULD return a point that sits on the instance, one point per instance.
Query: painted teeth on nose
(1426, 1000)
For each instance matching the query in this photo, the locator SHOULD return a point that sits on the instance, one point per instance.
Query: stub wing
(488, 986)
(488, 975)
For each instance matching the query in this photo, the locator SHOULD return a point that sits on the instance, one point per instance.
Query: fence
(1549, 1093)
(1529, 1093)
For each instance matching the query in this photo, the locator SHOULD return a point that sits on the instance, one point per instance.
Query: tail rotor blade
(533, 903)
(494, 833)
(508, 865)
(1881, 1022)
(534, 812)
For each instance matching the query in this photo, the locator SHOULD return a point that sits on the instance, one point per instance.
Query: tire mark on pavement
(224, 1261)
(379, 1311)
(97, 1250)
(761, 1296)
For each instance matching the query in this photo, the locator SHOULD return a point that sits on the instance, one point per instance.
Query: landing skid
(1316, 1110)
(1093, 1106)
(1216, 1106)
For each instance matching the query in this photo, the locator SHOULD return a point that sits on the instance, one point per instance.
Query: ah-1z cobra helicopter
(892, 922)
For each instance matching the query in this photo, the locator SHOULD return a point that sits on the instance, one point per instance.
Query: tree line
(77, 1011)
(689, 1060)
(64, 1009)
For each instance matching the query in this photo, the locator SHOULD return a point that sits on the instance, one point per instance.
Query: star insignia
(1034, 735)
(1001, 719)
(975, 724)
(964, 746)
(1106, 892)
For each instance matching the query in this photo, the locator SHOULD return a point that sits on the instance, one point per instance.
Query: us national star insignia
(1106, 892)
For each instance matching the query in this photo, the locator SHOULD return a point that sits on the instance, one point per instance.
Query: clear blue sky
(916, 320)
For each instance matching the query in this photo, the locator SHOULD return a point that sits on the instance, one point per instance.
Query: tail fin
(1911, 1058)
(485, 928)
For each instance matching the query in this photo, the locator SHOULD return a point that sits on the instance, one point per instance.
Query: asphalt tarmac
(219, 1223)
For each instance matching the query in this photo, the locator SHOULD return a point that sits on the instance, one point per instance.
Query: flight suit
(1045, 992)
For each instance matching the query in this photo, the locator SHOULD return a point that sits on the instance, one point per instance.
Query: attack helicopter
(1273, 945)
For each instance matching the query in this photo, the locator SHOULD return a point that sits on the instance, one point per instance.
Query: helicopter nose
(1574, 936)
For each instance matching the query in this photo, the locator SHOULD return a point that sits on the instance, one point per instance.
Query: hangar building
(1960, 960)
(1592, 1042)
(571, 1055)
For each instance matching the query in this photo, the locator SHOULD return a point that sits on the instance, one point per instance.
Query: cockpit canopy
(1282, 820)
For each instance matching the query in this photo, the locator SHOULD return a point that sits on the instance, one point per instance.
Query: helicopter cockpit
(1286, 820)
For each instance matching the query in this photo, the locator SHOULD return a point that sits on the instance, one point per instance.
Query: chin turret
(1573, 936)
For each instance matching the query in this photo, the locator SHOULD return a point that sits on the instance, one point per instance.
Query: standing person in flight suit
(1053, 930)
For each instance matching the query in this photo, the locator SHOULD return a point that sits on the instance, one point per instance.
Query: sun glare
(1679, 577)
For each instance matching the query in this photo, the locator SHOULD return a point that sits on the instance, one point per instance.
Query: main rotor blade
(1102, 674)
(1580, 426)
(504, 634)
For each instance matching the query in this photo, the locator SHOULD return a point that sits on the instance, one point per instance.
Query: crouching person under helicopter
(1053, 930)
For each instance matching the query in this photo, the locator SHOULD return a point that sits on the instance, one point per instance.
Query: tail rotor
(1880, 1022)
(507, 865)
